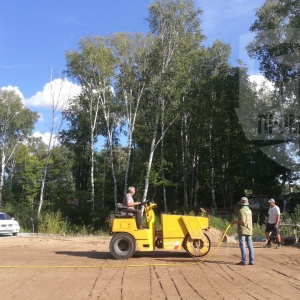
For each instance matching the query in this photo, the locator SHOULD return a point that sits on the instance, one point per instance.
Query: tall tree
(27, 173)
(132, 52)
(59, 98)
(93, 67)
(174, 23)
(16, 124)
(276, 46)
(276, 30)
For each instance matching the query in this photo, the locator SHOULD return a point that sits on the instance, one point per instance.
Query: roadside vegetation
(54, 223)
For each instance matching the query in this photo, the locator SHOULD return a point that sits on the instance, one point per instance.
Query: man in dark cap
(244, 230)
(273, 224)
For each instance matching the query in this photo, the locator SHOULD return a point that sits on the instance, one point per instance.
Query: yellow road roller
(178, 231)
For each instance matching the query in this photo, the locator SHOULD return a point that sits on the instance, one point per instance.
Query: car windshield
(5, 217)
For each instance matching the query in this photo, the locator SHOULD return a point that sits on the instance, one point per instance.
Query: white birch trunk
(101, 101)
(184, 160)
(57, 99)
(103, 184)
(107, 118)
(92, 170)
(162, 154)
(131, 119)
(92, 133)
(3, 165)
(46, 165)
(196, 182)
(212, 170)
(2, 174)
(111, 155)
(152, 149)
(154, 144)
(93, 123)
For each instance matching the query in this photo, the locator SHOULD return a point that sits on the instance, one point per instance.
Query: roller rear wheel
(197, 247)
(122, 246)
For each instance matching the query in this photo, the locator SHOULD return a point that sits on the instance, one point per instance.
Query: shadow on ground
(138, 254)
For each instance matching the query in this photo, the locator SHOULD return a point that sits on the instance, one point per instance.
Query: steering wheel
(145, 202)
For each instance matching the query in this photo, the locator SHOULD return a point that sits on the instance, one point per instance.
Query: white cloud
(261, 81)
(15, 89)
(56, 93)
(46, 138)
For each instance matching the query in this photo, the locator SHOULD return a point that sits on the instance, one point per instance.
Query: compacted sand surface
(56, 267)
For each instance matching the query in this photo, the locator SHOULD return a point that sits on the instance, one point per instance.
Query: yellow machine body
(145, 238)
(176, 227)
(178, 231)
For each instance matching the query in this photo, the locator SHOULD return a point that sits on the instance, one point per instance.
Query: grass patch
(53, 223)
(221, 224)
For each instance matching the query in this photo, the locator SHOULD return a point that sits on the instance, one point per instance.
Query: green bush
(258, 230)
(99, 222)
(53, 223)
(217, 222)
(21, 213)
(296, 214)
(221, 224)
(157, 222)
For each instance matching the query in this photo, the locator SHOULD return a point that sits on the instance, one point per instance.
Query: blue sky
(34, 35)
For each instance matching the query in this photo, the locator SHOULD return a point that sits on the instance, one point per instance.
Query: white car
(8, 225)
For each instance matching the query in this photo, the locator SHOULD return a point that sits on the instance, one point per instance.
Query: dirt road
(49, 267)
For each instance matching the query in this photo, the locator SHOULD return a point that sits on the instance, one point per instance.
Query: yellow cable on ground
(119, 266)
(222, 238)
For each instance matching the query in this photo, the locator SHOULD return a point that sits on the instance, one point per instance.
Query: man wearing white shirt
(273, 224)
(130, 203)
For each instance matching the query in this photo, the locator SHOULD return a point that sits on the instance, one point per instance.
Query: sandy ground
(53, 267)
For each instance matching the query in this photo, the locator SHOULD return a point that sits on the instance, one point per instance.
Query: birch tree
(93, 66)
(59, 92)
(16, 124)
(174, 23)
(217, 69)
(132, 51)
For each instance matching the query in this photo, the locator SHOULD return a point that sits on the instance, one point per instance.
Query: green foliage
(292, 218)
(296, 215)
(16, 124)
(54, 223)
(258, 230)
(279, 15)
(23, 213)
(286, 231)
(260, 216)
(157, 223)
(221, 224)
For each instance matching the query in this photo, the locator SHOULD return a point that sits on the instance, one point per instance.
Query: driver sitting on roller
(128, 201)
